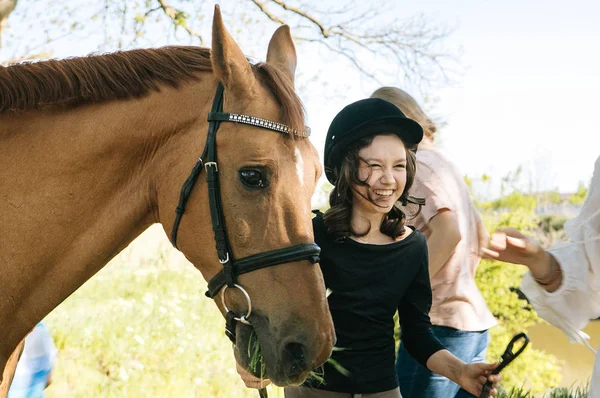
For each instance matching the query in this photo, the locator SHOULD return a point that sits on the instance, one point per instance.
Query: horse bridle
(232, 268)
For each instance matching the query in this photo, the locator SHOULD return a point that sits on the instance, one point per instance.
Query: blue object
(35, 365)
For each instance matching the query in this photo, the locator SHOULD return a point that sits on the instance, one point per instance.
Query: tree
(361, 34)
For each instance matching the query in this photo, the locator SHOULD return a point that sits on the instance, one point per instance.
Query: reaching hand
(511, 246)
(249, 379)
(473, 376)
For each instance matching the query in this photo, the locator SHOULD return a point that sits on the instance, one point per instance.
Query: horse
(95, 149)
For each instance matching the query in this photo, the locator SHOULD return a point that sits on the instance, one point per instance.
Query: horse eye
(253, 178)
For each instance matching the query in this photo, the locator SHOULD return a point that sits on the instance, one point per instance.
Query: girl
(372, 263)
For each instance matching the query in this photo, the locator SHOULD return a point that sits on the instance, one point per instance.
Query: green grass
(574, 392)
(144, 329)
(256, 356)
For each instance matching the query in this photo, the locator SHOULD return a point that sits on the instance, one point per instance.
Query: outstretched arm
(511, 246)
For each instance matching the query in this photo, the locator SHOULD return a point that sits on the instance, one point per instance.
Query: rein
(508, 356)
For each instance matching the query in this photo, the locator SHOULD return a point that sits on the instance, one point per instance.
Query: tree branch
(264, 10)
(410, 44)
(325, 32)
(179, 19)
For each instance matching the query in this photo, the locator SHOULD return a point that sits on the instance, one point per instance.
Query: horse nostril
(296, 351)
(295, 359)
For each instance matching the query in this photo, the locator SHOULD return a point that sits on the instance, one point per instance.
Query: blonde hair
(408, 106)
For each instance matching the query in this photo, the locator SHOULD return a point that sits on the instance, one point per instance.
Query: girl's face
(383, 168)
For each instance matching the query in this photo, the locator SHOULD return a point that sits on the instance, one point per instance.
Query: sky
(530, 95)
(527, 96)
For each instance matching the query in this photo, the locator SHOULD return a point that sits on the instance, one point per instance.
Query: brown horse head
(266, 181)
(95, 149)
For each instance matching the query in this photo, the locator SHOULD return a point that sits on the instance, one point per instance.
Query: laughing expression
(383, 168)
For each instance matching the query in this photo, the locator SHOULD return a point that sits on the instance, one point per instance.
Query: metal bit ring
(243, 319)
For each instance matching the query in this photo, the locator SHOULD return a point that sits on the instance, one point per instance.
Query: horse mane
(124, 74)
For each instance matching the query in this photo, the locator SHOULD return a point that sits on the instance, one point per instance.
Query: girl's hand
(250, 380)
(473, 376)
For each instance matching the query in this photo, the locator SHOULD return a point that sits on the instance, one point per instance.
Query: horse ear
(282, 52)
(228, 62)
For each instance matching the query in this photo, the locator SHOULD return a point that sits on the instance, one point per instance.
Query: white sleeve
(577, 300)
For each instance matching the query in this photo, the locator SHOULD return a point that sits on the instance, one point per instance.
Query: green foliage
(469, 182)
(514, 201)
(180, 18)
(143, 329)
(522, 219)
(535, 371)
(577, 392)
(549, 198)
(511, 180)
(534, 368)
(499, 284)
(515, 393)
(549, 223)
(578, 197)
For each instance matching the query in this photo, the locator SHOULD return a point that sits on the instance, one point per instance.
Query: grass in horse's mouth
(256, 356)
(256, 359)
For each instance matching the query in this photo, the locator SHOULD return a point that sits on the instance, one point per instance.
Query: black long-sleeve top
(368, 283)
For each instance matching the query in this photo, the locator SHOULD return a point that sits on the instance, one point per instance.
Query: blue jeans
(418, 382)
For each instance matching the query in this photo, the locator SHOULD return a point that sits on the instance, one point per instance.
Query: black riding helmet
(365, 118)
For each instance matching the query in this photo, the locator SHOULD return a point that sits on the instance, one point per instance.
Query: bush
(513, 201)
(579, 197)
(499, 283)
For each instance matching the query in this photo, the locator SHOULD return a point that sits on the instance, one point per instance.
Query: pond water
(578, 359)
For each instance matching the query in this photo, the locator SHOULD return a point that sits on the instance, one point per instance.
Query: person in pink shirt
(455, 233)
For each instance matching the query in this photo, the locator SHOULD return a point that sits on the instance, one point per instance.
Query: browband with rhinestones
(257, 121)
